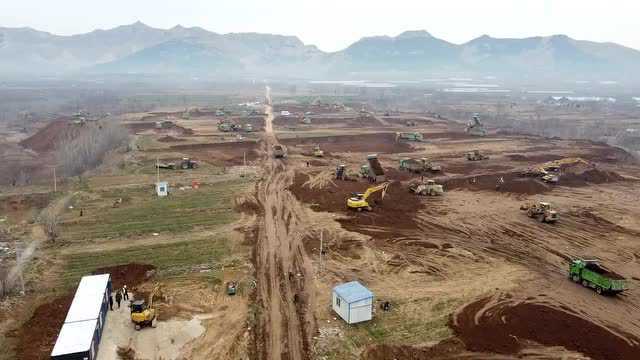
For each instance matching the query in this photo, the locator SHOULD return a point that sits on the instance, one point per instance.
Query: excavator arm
(375, 189)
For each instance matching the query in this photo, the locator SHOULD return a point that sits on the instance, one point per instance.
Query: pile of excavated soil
(502, 328)
(447, 349)
(542, 158)
(227, 153)
(169, 138)
(47, 138)
(394, 212)
(139, 127)
(592, 176)
(36, 337)
(366, 143)
(129, 274)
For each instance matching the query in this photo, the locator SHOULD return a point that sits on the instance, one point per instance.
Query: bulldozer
(184, 164)
(358, 201)
(428, 188)
(143, 313)
(419, 166)
(317, 152)
(542, 212)
(279, 151)
(475, 155)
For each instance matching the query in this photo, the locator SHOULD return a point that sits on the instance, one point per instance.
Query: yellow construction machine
(143, 313)
(358, 201)
(317, 152)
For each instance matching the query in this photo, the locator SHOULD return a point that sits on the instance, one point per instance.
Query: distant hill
(140, 49)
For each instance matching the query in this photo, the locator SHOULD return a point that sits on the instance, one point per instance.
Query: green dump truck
(590, 274)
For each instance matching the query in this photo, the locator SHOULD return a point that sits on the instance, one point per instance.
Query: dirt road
(284, 272)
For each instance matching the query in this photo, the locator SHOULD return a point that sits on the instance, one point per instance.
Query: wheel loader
(542, 212)
(428, 188)
(358, 201)
(317, 152)
(475, 155)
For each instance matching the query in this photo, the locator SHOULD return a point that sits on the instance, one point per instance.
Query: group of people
(121, 294)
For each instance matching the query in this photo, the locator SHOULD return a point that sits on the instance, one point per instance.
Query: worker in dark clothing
(111, 302)
(125, 292)
(118, 298)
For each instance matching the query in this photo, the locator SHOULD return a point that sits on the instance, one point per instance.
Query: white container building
(353, 302)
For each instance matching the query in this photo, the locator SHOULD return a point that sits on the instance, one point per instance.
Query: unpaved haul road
(284, 272)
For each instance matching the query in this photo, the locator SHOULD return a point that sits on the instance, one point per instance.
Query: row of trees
(88, 149)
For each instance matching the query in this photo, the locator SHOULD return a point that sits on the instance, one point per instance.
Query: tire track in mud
(286, 322)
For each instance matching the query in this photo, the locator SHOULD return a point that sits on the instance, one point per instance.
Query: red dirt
(169, 138)
(129, 274)
(365, 143)
(47, 138)
(447, 349)
(228, 153)
(36, 337)
(502, 327)
(389, 214)
(513, 183)
(139, 127)
(541, 158)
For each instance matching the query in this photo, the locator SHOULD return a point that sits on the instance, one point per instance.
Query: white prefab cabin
(353, 302)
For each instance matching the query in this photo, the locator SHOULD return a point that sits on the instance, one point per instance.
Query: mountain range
(140, 49)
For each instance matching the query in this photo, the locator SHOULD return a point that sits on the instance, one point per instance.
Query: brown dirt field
(16, 205)
(228, 153)
(129, 274)
(447, 349)
(37, 336)
(48, 137)
(169, 138)
(365, 143)
(386, 216)
(139, 127)
(502, 327)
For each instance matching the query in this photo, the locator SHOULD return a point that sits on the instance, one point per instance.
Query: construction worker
(111, 302)
(118, 298)
(125, 292)
(499, 184)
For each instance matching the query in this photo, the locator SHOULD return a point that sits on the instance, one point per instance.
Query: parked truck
(409, 136)
(475, 155)
(428, 188)
(418, 165)
(279, 151)
(591, 274)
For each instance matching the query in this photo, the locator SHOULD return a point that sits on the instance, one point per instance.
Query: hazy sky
(334, 24)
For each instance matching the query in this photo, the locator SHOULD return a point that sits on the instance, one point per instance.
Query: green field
(171, 260)
(141, 213)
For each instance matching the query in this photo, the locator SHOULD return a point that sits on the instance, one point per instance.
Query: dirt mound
(592, 176)
(227, 153)
(129, 274)
(542, 158)
(139, 127)
(169, 138)
(502, 327)
(367, 143)
(38, 335)
(389, 214)
(23, 203)
(47, 138)
(447, 349)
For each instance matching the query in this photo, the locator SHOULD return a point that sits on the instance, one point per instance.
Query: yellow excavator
(143, 313)
(358, 201)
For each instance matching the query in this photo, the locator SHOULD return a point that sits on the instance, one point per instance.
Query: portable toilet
(353, 302)
(162, 188)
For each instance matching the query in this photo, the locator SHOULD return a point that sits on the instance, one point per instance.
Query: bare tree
(88, 149)
(50, 220)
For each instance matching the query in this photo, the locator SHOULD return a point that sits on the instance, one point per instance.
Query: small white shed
(162, 188)
(353, 302)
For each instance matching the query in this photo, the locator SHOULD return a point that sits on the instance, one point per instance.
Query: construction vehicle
(342, 174)
(185, 164)
(279, 151)
(542, 212)
(591, 274)
(143, 313)
(358, 201)
(409, 136)
(248, 128)
(429, 188)
(475, 127)
(475, 155)
(419, 166)
(232, 288)
(317, 152)
(225, 126)
(364, 171)
(550, 171)
(410, 123)
(306, 120)
(375, 170)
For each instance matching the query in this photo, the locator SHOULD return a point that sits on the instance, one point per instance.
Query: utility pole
(20, 266)
(321, 245)
(55, 180)
(157, 171)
